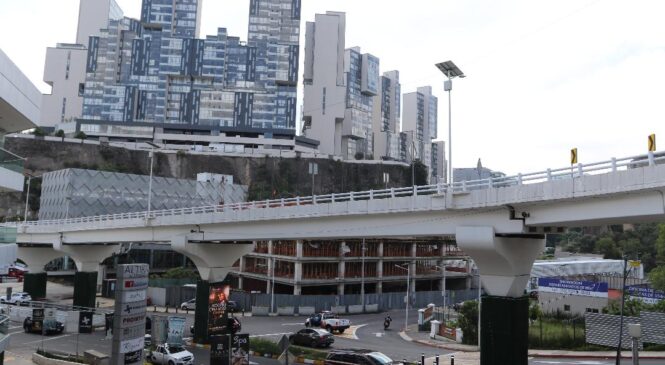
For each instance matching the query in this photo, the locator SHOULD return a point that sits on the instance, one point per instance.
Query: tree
(660, 245)
(587, 243)
(38, 132)
(80, 135)
(657, 278)
(468, 322)
(59, 133)
(608, 248)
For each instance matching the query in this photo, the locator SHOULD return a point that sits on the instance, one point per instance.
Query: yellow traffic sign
(652, 143)
(573, 156)
(634, 263)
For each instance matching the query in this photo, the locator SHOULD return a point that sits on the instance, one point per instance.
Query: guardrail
(571, 172)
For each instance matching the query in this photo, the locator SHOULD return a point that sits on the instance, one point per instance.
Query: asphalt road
(366, 333)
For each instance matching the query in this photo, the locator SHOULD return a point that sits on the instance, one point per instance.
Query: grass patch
(308, 353)
(264, 346)
(546, 334)
(61, 356)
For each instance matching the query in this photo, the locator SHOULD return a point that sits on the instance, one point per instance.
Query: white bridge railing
(571, 172)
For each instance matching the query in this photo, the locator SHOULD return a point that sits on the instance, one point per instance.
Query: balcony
(320, 249)
(11, 172)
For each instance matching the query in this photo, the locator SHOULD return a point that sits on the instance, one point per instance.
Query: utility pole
(623, 301)
(362, 277)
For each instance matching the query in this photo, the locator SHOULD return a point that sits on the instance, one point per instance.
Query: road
(366, 332)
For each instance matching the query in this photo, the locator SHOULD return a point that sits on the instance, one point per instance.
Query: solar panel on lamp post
(451, 71)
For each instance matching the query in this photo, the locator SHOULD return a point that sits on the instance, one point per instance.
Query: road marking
(50, 339)
(379, 334)
(352, 332)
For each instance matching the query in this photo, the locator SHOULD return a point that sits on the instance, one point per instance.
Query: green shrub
(308, 353)
(264, 346)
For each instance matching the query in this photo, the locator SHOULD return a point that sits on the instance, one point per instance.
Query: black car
(48, 327)
(361, 357)
(312, 337)
(232, 307)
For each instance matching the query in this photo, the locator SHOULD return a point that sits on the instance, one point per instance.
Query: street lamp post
(451, 71)
(27, 196)
(152, 159)
(408, 293)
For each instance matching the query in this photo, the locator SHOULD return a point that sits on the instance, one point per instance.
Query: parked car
(170, 355)
(232, 307)
(147, 340)
(48, 327)
(18, 298)
(361, 357)
(329, 321)
(233, 323)
(188, 305)
(312, 337)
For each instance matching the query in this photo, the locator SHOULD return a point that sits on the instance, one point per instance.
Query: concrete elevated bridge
(500, 223)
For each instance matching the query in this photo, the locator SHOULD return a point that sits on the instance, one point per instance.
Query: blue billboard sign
(646, 295)
(573, 287)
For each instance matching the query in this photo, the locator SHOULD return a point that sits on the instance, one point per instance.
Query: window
(566, 308)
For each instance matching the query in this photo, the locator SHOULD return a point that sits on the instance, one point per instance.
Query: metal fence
(602, 329)
(385, 301)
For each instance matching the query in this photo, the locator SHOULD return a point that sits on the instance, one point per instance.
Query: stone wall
(266, 177)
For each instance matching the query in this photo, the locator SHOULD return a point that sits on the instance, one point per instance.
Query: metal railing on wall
(571, 172)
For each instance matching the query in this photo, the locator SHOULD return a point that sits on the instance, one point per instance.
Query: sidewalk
(470, 353)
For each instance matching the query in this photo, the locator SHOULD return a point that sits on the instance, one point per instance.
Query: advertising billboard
(573, 287)
(217, 315)
(176, 330)
(645, 295)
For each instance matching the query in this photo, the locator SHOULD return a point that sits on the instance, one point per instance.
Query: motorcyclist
(386, 322)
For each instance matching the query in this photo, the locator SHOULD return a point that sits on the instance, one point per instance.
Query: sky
(542, 76)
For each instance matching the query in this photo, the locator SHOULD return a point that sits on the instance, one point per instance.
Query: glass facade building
(156, 70)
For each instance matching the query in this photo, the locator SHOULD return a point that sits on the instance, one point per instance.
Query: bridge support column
(36, 257)
(504, 262)
(213, 262)
(87, 259)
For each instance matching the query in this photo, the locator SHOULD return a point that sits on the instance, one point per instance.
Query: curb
(535, 353)
(200, 345)
(268, 356)
(408, 338)
(643, 356)
(302, 360)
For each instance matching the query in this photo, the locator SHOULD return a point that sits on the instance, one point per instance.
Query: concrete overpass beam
(89, 276)
(504, 262)
(213, 262)
(36, 257)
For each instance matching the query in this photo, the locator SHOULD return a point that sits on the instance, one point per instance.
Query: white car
(188, 305)
(18, 298)
(171, 355)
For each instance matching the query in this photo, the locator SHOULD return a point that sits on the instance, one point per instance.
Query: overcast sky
(543, 76)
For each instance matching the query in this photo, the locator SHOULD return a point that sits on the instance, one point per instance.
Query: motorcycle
(386, 323)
